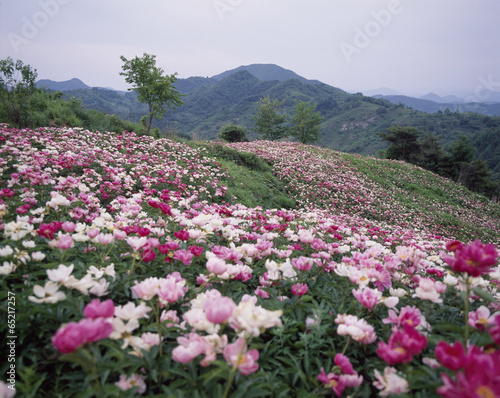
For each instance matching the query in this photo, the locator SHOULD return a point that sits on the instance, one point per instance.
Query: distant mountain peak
(381, 91)
(266, 72)
(72, 84)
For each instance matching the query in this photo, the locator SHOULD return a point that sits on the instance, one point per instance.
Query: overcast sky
(413, 46)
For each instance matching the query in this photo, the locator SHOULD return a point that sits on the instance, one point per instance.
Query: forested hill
(350, 124)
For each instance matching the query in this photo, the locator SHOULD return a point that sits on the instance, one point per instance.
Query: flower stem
(466, 312)
(233, 371)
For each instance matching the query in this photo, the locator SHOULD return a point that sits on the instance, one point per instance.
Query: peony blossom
(367, 297)
(189, 348)
(474, 259)
(97, 309)
(299, 289)
(72, 336)
(48, 294)
(402, 346)
(219, 310)
(133, 381)
(389, 382)
(237, 355)
(360, 330)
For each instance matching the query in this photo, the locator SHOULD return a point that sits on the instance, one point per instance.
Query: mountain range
(350, 121)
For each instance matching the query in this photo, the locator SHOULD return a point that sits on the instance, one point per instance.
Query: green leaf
(484, 294)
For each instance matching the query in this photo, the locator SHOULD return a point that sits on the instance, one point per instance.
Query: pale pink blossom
(127, 382)
(389, 382)
(237, 355)
(188, 348)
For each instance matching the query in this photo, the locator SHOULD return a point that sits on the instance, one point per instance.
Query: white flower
(47, 294)
(123, 330)
(397, 292)
(131, 311)
(99, 273)
(450, 280)
(390, 382)
(37, 256)
(29, 244)
(57, 200)
(6, 251)
(250, 319)
(390, 302)
(61, 274)
(7, 268)
(17, 230)
(82, 285)
(100, 288)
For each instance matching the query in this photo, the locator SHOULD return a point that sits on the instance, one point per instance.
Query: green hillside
(350, 124)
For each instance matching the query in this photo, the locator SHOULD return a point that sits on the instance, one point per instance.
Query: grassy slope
(390, 191)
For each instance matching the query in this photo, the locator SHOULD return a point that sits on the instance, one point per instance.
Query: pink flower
(344, 364)
(73, 335)
(182, 235)
(64, 242)
(216, 265)
(302, 263)
(299, 289)
(480, 318)
(168, 246)
(367, 297)
(495, 329)
(69, 226)
(236, 354)
(97, 309)
(360, 330)
(105, 239)
(408, 316)
(402, 345)
(183, 256)
(332, 381)
(478, 375)
(196, 250)
(92, 233)
(426, 290)
(188, 348)
(148, 255)
(118, 234)
(146, 289)
(136, 243)
(220, 309)
(474, 259)
(261, 293)
(126, 383)
(450, 356)
(172, 288)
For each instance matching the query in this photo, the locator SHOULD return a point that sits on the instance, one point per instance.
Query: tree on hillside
(462, 150)
(233, 133)
(404, 142)
(306, 123)
(17, 85)
(270, 120)
(151, 86)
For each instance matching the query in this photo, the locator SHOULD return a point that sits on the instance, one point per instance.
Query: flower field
(127, 269)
